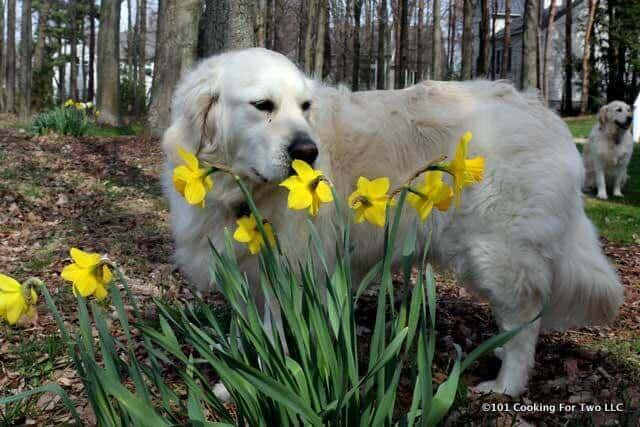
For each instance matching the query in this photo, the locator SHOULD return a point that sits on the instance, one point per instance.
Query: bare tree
(382, 30)
(547, 51)
(494, 54)
(355, 75)
(108, 62)
(3, 61)
(11, 56)
(586, 71)
(403, 45)
(241, 21)
(25, 60)
(568, 59)
(92, 50)
(530, 45)
(483, 51)
(142, 54)
(436, 44)
(453, 22)
(323, 14)
(312, 9)
(73, 47)
(420, 42)
(506, 49)
(371, 7)
(467, 39)
(39, 70)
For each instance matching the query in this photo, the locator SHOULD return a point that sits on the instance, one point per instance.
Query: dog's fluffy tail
(586, 289)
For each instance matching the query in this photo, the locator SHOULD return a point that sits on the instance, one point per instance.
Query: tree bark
(11, 56)
(214, 28)
(584, 102)
(382, 30)
(436, 46)
(467, 40)
(320, 39)
(371, 29)
(269, 39)
(25, 63)
(355, 75)
(529, 78)
(142, 56)
(130, 49)
(108, 63)
(242, 17)
(452, 39)
(547, 51)
(3, 61)
(62, 70)
(507, 39)
(404, 45)
(312, 9)
(41, 76)
(92, 52)
(494, 55)
(568, 56)
(483, 49)
(73, 54)
(420, 42)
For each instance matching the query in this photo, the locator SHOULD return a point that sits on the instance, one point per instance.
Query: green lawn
(580, 127)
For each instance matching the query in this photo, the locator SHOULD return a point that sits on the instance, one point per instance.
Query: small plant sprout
(89, 273)
(16, 299)
(307, 188)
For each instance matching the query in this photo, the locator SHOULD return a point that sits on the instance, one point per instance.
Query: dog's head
(248, 109)
(617, 114)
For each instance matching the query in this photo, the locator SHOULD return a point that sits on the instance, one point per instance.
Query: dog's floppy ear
(602, 116)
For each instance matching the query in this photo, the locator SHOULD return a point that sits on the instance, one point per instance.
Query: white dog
(607, 155)
(520, 238)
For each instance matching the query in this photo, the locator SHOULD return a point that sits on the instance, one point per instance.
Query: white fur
(609, 150)
(520, 238)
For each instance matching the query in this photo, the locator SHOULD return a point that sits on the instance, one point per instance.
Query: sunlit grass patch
(580, 127)
(615, 221)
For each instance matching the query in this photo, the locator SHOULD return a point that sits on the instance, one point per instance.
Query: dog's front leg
(617, 182)
(601, 183)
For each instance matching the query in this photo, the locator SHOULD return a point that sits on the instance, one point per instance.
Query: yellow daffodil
(370, 200)
(433, 192)
(190, 180)
(69, 103)
(465, 171)
(307, 189)
(89, 105)
(248, 233)
(81, 106)
(15, 301)
(88, 274)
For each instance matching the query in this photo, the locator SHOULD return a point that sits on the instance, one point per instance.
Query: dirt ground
(103, 195)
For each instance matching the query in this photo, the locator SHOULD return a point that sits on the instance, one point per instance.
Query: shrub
(320, 379)
(61, 120)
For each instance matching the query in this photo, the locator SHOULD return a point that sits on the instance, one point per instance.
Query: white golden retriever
(519, 239)
(607, 155)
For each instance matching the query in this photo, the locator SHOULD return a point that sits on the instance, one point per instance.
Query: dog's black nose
(303, 148)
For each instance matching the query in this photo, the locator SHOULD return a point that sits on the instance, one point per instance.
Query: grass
(580, 127)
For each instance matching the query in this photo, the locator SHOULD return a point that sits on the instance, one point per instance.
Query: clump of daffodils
(89, 274)
(192, 181)
(249, 233)
(370, 200)
(465, 172)
(307, 188)
(16, 300)
(80, 106)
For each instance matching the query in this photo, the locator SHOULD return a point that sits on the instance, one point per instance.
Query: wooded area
(127, 55)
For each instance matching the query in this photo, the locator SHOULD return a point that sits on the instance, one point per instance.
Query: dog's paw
(222, 393)
(495, 387)
(618, 193)
(602, 196)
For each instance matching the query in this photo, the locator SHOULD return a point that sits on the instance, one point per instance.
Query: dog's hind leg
(513, 278)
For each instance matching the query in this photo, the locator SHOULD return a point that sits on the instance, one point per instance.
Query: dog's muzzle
(303, 148)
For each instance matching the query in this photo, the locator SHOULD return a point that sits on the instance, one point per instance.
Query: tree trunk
(467, 40)
(507, 39)
(420, 42)
(214, 28)
(41, 75)
(242, 18)
(568, 56)
(372, 36)
(62, 67)
(301, 26)
(320, 39)
(382, 30)
(355, 75)
(25, 60)
(530, 46)
(92, 52)
(73, 47)
(312, 9)
(130, 50)
(11, 56)
(436, 46)
(452, 40)
(483, 50)
(3, 62)
(108, 63)
(83, 68)
(547, 51)
(584, 102)
(494, 55)
(142, 57)
(611, 53)
(404, 45)
(269, 39)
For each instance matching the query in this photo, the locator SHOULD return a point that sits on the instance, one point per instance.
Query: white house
(636, 119)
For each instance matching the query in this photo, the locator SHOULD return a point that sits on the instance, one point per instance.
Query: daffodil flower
(465, 171)
(370, 200)
(307, 189)
(69, 103)
(81, 106)
(432, 192)
(15, 300)
(190, 180)
(249, 233)
(89, 274)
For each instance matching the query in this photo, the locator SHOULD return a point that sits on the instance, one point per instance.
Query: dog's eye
(264, 105)
(305, 105)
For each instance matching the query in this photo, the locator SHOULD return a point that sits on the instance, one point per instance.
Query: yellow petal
(475, 167)
(72, 273)
(208, 182)
(86, 285)
(323, 191)
(106, 275)
(195, 192)
(14, 311)
(85, 259)
(375, 215)
(189, 159)
(299, 199)
(100, 293)
(379, 186)
(292, 183)
(304, 171)
(9, 284)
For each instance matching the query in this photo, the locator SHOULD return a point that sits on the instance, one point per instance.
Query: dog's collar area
(241, 209)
